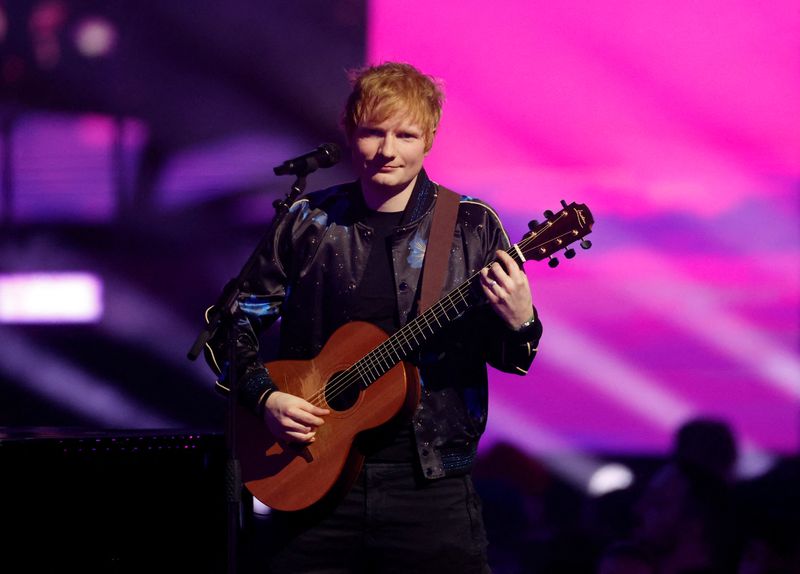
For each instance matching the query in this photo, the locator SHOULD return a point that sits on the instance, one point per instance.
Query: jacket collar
(421, 199)
(419, 203)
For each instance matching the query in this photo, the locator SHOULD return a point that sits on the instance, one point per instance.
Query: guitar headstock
(571, 223)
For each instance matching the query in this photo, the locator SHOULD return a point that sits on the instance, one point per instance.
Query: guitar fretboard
(553, 234)
(416, 332)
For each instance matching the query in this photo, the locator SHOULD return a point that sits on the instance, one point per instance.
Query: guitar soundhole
(339, 395)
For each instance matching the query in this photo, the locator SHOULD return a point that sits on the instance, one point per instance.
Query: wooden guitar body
(294, 476)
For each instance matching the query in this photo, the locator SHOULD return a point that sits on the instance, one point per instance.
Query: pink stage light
(70, 297)
(95, 37)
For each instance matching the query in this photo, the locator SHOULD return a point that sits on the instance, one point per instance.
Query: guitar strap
(437, 253)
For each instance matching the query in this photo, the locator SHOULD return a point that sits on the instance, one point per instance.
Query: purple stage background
(677, 123)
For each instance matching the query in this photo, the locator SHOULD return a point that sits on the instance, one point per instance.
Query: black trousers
(391, 521)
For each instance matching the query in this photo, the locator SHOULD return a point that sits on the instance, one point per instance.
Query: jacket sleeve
(513, 351)
(506, 349)
(257, 307)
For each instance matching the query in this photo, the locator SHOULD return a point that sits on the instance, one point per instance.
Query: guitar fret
(427, 323)
(360, 369)
(385, 363)
(370, 372)
(392, 349)
(402, 332)
(374, 372)
(454, 307)
(444, 310)
(376, 362)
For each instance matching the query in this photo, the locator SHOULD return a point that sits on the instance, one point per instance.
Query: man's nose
(388, 146)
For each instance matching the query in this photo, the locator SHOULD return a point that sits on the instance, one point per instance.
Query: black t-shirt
(376, 303)
(376, 300)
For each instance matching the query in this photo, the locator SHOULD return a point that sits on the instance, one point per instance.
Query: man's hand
(507, 290)
(292, 419)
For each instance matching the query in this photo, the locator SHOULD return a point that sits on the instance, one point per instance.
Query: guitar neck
(409, 338)
(559, 230)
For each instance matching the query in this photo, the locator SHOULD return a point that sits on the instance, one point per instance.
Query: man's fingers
(300, 436)
(510, 267)
(302, 405)
(319, 411)
(291, 424)
(307, 418)
(310, 414)
(488, 284)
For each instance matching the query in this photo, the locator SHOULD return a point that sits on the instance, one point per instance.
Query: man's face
(389, 154)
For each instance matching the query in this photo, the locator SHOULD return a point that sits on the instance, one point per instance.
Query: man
(355, 252)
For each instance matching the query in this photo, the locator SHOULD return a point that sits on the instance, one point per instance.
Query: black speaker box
(112, 502)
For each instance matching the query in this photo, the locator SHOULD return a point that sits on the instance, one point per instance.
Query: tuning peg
(548, 214)
(553, 262)
(533, 224)
(569, 253)
(586, 244)
(564, 204)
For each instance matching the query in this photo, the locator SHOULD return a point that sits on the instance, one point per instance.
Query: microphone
(326, 155)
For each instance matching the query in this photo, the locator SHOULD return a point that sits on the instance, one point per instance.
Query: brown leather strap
(437, 253)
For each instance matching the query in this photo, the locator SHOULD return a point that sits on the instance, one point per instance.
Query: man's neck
(381, 198)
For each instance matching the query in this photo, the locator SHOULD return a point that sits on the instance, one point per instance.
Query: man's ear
(429, 144)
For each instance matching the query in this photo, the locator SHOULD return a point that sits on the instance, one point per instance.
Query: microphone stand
(223, 316)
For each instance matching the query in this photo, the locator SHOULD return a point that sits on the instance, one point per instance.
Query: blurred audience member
(685, 515)
(769, 517)
(709, 445)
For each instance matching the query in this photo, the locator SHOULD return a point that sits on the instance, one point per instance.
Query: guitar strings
(381, 356)
(360, 370)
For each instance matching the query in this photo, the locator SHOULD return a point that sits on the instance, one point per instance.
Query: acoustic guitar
(362, 377)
